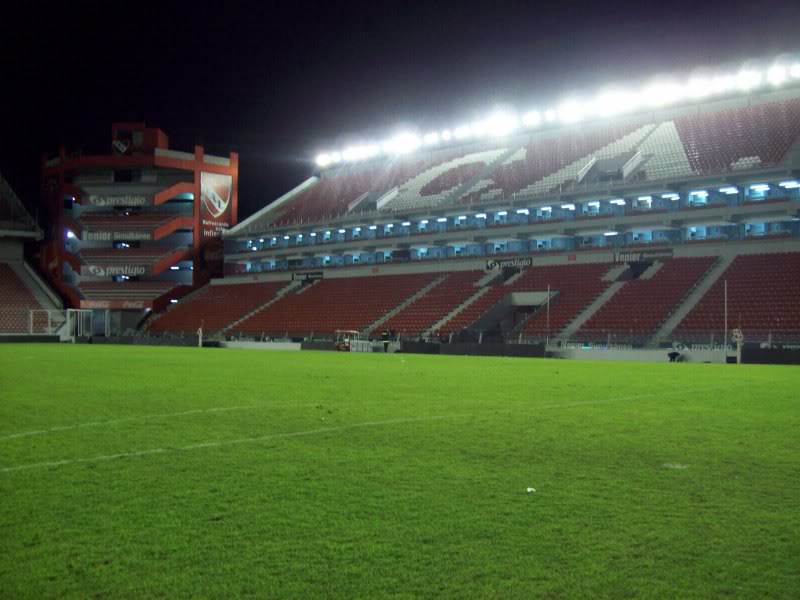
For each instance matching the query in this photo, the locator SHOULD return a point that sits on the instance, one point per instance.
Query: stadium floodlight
(402, 144)
(760, 187)
(523, 211)
(594, 203)
(446, 135)
(777, 75)
(550, 115)
(173, 301)
(790, 185)
(794, 71)
(731, 189)
(501, 123)
(502, 213)
(662, 94)
(441, 220)
(462, 132)
(373, 227)
(617, 202)
(405, 224)
(614, 103)
(174, 268)
(571, 112)
(532, 119)
(336, 157)
(568, 206)
(479, 128)
(723, 84)
(480, 216)
(748, 79)
(699, 87)
(611, 233)
(429, 139)
(323, 160)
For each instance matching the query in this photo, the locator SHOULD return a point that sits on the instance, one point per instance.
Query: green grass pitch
(131, 472)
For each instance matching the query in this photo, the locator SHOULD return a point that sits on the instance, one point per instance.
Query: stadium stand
(16, 301)
(763, 299)
(424, 312)
(322, 307)
(641, 305)
(215, 307)
(113, 290)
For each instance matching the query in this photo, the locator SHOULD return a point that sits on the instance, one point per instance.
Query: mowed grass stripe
(420, 509)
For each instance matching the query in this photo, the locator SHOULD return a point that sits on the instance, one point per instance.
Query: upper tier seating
(763, 298)
(641, 305)
(421, 314)
(577, 285)
(432, 187)
(216, 306)
(663, 154)
(16, 300)
(331, 304)
(740, 138)
(124, 290)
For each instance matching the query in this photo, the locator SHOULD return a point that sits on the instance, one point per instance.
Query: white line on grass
(253, 440)
(123, 420)
(336, 429)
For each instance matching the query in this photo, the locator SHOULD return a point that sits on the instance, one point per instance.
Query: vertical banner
(216, 215)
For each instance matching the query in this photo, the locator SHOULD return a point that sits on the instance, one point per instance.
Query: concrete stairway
(614, 273)
(587, 312)
(650, 271)
(691, 299)
(46, 298)
(281, 293)
(456, 310)
(372, 327)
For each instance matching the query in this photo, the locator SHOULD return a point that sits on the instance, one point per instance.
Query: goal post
(70, 323)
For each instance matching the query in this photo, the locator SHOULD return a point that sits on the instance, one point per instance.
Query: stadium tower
(138, 228)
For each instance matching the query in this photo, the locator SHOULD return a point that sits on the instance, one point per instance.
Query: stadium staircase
(153, 317)
(457, 310)
(278, 295)
(587, 312)
(691, 300)
(46, 298)
(408, 301)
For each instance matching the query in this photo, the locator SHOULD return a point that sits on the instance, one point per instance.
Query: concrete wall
(639, 355)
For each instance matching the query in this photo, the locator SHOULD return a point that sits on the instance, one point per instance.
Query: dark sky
(283, 80)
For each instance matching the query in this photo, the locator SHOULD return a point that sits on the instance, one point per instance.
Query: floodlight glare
(699, 88)
(402, 144)
(731, 189)
(501, 123)
(323, 160)
(441, 220)
(531, 119)
(748, 80)
(446, 135)
(570, 112)
(431, 138)
(550, 115)
(760, 187)
(336, 157)
(776, 75)
(406, 224)
(461, 132)
(789, 185)
(611, 233)
(723, 84)
(794, 71)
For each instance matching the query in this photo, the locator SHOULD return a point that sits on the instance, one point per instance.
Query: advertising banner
(216, 191)
(643, 254)
(117, 304)
(116, 236)
(109, 270)
(509, 263)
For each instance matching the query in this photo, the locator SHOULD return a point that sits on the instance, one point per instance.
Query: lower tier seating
(641, 305)
(763, 298)
(421, 314)
(216, 306)
(330, 304)
(16, 300)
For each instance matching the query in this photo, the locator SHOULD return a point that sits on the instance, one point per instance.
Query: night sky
(285, 80)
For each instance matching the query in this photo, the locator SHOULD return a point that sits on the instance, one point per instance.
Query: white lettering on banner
(508, 263)
(110, 270)
(107, 236)
(214, 229)
(124, 200)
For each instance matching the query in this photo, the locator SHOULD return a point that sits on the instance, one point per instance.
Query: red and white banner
(117, 304)
(216, 214)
